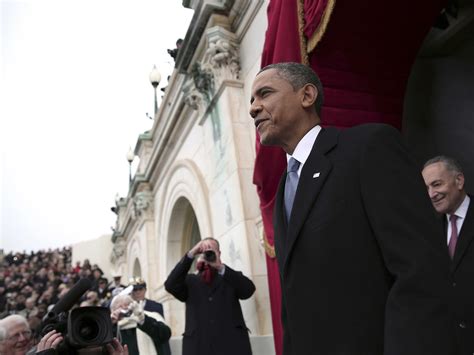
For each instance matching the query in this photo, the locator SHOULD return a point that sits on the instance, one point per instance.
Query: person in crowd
(130, 320)
(444, 179)
(116, 283)
(152, 309)
(357, 244)
(77, 268)
(92, 300)
(95, 277)
(16, 335)
(3, 336)
(102, 290)
(214, 321)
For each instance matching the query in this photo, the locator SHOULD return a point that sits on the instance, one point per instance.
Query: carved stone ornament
(222, 57)
(118, 251)
(192, 97)
(220, 62)
(203, 79)
(142, 204)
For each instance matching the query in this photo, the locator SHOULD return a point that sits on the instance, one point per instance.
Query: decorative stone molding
(142, 202)
(220, 62)
(222, 58)
(118, 254)
(198, 88)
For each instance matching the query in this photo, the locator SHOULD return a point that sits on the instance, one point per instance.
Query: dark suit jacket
(152, 306)
(462, 274)
(214, 321)
(362, 268)
(157, 331)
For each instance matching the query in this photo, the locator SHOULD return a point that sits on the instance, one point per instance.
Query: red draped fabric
(363, 54)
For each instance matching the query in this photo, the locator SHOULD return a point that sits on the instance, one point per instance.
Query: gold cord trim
(318, 34)
(269, 249)
(303, 42)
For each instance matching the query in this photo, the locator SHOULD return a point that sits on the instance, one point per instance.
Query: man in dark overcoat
(363, 268)
(214, 321)
(444, 180)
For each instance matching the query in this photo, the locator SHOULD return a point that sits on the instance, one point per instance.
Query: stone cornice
(203, 10)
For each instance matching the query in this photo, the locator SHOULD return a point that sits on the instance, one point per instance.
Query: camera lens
(210, 256)
(89, 326)
(88, 329)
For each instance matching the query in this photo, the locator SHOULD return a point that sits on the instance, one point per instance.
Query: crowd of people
(32, 283)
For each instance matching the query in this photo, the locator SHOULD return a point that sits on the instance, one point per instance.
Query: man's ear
(460, 181)
(310, 93)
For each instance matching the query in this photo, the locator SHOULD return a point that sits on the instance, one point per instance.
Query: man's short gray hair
(118, 300)
(450, 163)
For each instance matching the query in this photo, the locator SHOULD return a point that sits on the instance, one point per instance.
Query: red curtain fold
(282, 44)
(363, 59)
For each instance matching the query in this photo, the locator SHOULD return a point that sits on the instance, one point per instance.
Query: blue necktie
(290, 185)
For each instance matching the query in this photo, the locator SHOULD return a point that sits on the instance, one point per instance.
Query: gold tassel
(269, 249)
(318, 34)
(303, 43)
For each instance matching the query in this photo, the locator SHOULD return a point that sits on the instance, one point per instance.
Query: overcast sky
(74, 93)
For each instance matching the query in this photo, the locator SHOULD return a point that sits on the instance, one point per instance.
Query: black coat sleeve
(243, 285)
(156, 330)
(411, 242)
(176, 281)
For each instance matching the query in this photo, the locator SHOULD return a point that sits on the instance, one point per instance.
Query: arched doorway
(184, 231)
(137, 269)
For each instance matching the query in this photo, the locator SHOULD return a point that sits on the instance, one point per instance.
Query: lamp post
(155, 78)
(130, 157)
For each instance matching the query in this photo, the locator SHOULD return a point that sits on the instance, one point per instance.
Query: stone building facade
(194, 178)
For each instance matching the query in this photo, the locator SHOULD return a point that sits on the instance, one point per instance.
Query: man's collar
(462, 209)
(304, 146)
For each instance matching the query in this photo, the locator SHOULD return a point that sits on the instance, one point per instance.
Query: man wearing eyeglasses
(17, 335)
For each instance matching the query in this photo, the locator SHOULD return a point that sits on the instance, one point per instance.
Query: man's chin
(440, 208)
(266, 139)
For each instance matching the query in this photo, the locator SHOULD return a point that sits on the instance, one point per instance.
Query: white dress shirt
(461, 213)
(304, 146)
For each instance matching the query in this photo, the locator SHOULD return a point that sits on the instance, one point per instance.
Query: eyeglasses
(14, 338)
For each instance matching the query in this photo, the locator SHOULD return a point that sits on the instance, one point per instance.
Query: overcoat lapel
(465, 237)
(313, 176)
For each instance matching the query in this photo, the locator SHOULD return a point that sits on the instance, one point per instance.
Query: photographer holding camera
(52, 339)
(214, 321)
(131, 320)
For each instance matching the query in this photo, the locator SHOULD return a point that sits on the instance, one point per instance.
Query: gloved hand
(138, 313)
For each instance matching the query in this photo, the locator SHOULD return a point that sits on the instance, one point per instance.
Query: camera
(126, 312)
(81, 327)
(210, 256)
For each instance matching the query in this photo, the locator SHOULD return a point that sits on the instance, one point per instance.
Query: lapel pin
(316, 175)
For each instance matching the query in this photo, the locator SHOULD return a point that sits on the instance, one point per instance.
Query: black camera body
(210, 256)
(81, 327)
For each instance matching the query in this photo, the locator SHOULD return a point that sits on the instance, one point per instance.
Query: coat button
(462, 325)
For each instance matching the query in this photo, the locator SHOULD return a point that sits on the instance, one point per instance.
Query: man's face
(139, 294)
(276, 108)
(18, 338)
(445, 188)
